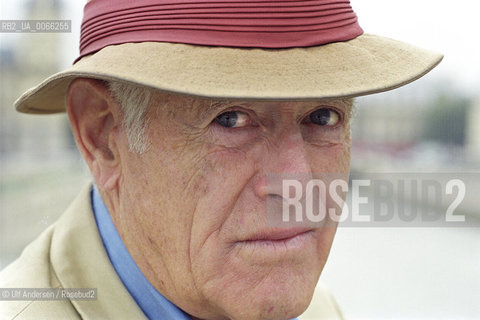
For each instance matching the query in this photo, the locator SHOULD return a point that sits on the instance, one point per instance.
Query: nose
(286, 158)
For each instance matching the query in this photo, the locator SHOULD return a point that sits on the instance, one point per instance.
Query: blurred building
(26, 60)
(414, 127)
(386, 126)
(473, 131)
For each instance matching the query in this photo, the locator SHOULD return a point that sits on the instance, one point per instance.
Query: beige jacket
(70, 254)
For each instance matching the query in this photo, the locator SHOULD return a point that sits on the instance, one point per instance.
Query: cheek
(221, 179)
(182, 201)
(333, 159)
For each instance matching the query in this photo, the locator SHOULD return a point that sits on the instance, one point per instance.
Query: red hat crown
(231, 23)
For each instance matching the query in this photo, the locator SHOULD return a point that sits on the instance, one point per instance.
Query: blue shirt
(152, 303)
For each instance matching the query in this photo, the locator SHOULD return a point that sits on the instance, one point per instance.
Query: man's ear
(95, 119)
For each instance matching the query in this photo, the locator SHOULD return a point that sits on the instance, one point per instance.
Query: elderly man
(181, 109)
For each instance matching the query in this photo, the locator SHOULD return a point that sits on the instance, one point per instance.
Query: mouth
(277, 234)
(277, 242)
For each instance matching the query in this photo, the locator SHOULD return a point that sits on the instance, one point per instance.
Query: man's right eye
(233, 119)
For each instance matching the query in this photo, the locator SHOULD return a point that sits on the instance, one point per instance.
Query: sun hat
(250, 49)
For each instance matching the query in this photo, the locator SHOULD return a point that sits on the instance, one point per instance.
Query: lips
(277, 245)
(276, 234)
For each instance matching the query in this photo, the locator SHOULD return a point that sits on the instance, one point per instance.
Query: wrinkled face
(194, 205)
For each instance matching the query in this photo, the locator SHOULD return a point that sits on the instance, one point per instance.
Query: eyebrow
(348, 104)
(207, 106)
(211, 105)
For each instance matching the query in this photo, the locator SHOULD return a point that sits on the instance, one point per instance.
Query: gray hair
(134, 101)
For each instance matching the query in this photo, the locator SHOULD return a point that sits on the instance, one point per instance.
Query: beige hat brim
(365, 65)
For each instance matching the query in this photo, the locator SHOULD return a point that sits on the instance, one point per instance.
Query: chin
(276, 307)
(284, 294)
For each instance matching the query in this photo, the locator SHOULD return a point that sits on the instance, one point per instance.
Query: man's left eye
(325, 117)
(233, 119)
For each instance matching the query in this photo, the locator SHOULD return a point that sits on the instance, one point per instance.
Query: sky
(448, 27)
(445, 26)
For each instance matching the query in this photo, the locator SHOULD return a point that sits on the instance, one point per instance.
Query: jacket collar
(79, 260)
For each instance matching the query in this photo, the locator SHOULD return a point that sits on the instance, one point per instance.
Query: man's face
(193, 207)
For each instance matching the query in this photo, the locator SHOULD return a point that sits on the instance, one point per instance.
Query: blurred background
(431, 125)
